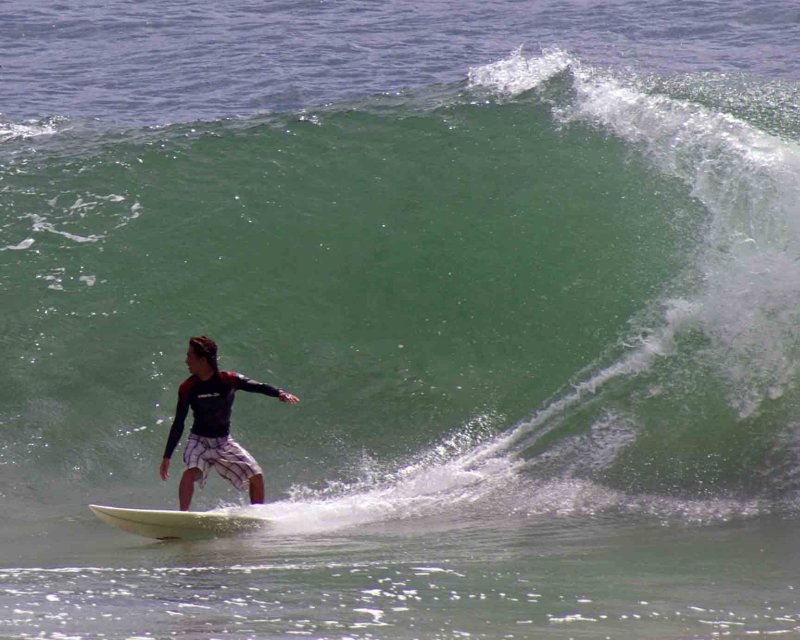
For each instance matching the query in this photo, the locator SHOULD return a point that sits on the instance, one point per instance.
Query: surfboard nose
(163, 524)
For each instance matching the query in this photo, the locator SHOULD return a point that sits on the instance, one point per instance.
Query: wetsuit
(211, 402)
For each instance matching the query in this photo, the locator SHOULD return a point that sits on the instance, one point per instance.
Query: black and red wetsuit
(211, 402)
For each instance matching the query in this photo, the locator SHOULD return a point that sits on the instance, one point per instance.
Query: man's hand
(165, 468)
(288, 397)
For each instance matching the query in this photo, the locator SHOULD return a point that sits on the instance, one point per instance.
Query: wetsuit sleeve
(253, 386)
(175, 433)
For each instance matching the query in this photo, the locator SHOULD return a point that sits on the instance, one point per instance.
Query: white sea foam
(519, 73)
(30, 129)
(448, 476)
(21, 246)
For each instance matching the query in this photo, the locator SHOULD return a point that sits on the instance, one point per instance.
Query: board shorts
(228, 457)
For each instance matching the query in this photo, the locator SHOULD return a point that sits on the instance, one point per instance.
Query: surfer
(210, 393)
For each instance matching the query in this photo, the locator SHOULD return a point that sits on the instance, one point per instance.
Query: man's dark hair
(205, 347)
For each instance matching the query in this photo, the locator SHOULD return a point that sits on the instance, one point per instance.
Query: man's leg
(186, 488)
(257, 489)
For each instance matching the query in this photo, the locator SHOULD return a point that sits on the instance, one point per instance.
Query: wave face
(550, 288)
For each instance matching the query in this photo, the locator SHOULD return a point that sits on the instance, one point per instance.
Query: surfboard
(163, 524)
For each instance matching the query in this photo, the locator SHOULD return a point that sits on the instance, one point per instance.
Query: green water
(401, 275)
(544, 345)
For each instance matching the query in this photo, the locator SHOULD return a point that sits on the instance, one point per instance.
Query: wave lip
(519, 73)
(31, 128)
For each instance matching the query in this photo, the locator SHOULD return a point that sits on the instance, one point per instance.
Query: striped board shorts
(228, 457)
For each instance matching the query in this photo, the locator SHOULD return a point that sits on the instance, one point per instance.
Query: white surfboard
(165, 524)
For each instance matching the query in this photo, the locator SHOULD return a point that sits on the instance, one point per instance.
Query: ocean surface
(533, 269)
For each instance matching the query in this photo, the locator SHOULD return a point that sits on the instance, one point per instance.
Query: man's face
(194, 362)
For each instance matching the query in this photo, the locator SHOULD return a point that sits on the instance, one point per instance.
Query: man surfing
(210, 394)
